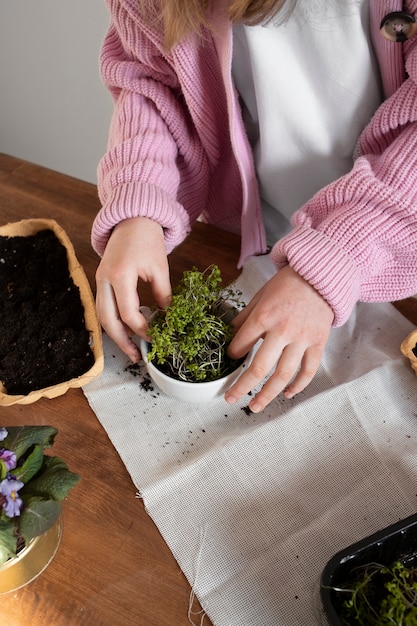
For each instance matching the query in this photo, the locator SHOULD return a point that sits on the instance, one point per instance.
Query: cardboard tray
(408, 346)
(28, 227)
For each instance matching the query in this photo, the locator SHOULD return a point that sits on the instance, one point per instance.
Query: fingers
(288, 376)
(263, 363)
(309, 367)
(112, 322)
(248, 331)
(161, 288)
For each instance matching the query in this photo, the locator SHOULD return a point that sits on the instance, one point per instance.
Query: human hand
(294, 322)
(135, 250)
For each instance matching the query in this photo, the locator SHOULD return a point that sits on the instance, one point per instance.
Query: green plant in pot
(189, 338)
(32, 486)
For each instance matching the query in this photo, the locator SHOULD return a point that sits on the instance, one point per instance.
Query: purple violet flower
(3, 433)
(9, 488)
(9, 458)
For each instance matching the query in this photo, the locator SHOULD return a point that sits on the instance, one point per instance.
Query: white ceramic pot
(194, 393)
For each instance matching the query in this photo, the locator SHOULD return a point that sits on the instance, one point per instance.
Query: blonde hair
(184, 17)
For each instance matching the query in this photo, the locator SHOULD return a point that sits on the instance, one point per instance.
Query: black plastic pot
(394, 543)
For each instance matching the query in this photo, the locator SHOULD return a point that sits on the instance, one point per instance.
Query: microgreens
(191, 335)
(32, 485)
(381, 596)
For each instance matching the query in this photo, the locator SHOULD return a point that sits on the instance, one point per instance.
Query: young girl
(246, 114)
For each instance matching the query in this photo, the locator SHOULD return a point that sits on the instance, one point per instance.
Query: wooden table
(112, 567)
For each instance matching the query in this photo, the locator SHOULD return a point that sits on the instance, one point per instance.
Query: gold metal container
(31, 561)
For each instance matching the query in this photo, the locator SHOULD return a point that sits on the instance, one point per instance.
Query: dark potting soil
(43, 339)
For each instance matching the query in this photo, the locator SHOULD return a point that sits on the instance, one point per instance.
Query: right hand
(294, 321)
(135, 251)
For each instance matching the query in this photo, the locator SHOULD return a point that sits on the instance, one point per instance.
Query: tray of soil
(374, 581)
(50, 336)
(409, 349)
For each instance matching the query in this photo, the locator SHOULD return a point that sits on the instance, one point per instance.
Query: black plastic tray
(397, 542)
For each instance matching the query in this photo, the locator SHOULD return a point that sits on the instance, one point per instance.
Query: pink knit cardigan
(178, 151)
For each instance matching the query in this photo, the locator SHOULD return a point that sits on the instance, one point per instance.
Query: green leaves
(54, 481)
(21, 438)
(46, 482)
(191, 335)
(31, 465)
(382, 596)
(37, 517)
(7, 541)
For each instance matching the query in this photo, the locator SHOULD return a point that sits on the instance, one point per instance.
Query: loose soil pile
(43, 339)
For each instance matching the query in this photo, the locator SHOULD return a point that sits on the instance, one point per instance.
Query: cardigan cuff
(141, 200)
(322, 263)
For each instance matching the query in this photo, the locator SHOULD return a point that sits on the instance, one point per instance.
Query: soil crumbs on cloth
(43, 339)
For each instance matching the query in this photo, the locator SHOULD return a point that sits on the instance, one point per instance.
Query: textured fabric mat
(253, 505)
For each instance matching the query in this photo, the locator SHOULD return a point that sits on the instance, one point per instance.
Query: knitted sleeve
(152, 145)
(357, 238)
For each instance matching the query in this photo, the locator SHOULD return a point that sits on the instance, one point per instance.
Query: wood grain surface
(112, 567)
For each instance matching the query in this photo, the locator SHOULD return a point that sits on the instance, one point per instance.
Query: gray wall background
(54, 110)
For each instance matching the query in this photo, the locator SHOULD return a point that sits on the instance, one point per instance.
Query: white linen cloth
(253, 505)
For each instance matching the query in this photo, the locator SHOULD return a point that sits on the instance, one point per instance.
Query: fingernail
(255, 407)
(230, 399)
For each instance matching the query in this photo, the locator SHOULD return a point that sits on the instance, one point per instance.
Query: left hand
(294, 322)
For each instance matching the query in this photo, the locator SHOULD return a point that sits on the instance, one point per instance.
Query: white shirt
(308, 87)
